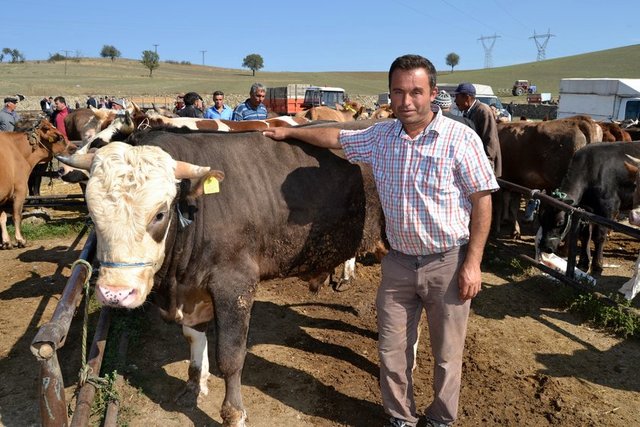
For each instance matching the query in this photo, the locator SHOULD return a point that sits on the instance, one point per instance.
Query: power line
(66, 55)
(155, 47)
(203, 52)
(541, 45)
(488, 48)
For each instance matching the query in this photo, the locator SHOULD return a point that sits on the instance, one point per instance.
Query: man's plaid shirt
(424, 183)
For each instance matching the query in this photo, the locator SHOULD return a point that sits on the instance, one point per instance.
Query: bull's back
(299, 207)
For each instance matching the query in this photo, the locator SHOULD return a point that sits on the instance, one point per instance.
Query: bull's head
(632, 168)
(554, 224)
(131, 197)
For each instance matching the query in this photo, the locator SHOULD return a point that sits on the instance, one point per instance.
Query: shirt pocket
(434, 176)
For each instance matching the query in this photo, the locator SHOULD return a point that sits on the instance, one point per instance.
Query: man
(91, 102)
(179, 103)
(434, 182)
(484, 121)
(61, 111)
(219, 110)
(443, 100)
(119, 104)
(192, 106)
(252, 108)
(46, 105)
(8, 115)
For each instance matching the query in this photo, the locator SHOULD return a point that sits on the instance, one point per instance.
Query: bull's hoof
(596, 270)
(232, 417)
(341, 285)
(5, 245)
(20, 244)
(516, 235)
(189, 396)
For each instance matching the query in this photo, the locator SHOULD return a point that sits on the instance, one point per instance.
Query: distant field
(127, 77)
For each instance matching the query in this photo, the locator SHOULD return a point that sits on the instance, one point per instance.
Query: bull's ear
(205, 185)
(78, 161)
(632, 169)
(186, 170)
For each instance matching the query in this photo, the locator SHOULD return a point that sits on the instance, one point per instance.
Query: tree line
(150, 59)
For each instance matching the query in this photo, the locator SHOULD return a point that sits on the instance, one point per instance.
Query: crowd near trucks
(296, 97)
(601, 98)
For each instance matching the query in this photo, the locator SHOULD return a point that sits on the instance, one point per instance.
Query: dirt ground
(312, 359)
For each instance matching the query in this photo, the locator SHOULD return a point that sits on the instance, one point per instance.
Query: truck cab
(323, 96)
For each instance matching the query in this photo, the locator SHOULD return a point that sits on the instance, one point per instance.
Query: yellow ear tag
(211, 185)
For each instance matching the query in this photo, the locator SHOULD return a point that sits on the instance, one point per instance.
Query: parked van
(484, 93)
(601, 98)
(383, 98)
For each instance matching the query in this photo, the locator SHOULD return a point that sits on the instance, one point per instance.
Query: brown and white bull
(284, 209)
(19, 153)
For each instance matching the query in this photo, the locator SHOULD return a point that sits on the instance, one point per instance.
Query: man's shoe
(396, 422)
(434, 423)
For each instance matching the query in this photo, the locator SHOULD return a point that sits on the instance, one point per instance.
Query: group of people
(435, 174)
(191, 104)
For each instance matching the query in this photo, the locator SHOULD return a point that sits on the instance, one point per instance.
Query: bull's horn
(186, 170)
(78, 161)
(634, 159)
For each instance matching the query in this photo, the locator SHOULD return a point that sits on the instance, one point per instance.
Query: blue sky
(330, 35)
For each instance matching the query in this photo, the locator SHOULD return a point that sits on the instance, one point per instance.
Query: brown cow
(19, 153)
(326, 113)
(536, 155)
(612, 132)
(383, 112)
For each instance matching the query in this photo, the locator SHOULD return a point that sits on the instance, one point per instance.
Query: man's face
(411, 96)
(463, 101)
(60, 105)
(218, 101)
(257, 97)
(10, 106)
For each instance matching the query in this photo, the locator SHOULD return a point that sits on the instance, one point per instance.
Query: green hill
(126, 77)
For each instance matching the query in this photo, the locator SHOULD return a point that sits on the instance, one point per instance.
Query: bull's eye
(159, 217)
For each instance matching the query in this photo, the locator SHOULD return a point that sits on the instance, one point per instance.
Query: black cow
(598, 182)
(284, 209)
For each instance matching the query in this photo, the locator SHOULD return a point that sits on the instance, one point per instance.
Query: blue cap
(466, 88)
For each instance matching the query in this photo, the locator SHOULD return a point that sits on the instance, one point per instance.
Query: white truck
(601, 98)
(484, 93)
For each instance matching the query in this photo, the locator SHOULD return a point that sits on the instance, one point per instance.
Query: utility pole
(66, 54)
(155, 47)
(488, 47)
(203, 52)
(542, 46)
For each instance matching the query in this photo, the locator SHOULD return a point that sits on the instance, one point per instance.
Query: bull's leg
(196, 387)
(584, 251)
(6, 240)
(348, 273)
(18, 203)
(599, 239)
(498, 201)
(233, 302)
(512, 215)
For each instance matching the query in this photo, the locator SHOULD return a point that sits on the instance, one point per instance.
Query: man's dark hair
(412, 62)
(218, 93)
(60, 99)
(190, 98)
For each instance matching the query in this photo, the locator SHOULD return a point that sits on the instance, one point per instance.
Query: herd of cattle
(201, 210)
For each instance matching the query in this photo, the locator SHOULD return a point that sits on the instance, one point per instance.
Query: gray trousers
(409, 285)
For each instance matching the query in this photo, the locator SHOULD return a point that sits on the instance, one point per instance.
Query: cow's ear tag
(211, 185)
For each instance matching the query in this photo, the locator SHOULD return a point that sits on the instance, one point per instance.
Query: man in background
(192, 106)
(443, 100)
(484, 120)
(219, 110)
(8, 115)
(252, 108)
(61, 111)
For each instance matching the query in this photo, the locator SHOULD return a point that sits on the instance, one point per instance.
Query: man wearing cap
(484, 120)
(443, 100)
(8, 115)
(118, 104)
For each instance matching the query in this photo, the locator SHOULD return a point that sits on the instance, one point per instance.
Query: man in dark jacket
(484, 120)
(193, 106)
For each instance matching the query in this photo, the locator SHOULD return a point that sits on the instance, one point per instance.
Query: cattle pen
(52, 335)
